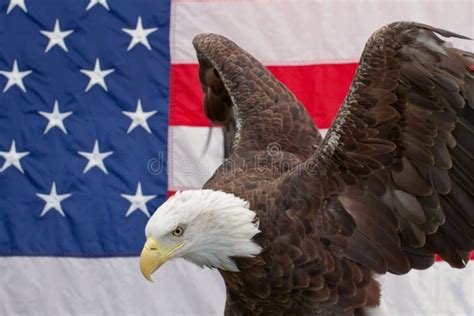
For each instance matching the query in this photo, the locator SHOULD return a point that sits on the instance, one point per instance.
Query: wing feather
(408, 119)
(254, 108)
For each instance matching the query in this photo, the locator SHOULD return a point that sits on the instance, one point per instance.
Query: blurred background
(101, 119)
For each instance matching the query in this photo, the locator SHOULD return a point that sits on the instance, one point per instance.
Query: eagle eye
(178, 231)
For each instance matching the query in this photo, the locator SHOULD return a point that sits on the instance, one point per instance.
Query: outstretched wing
(254, 108)
(399, 155)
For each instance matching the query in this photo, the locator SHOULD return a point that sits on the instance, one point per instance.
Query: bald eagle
(299, 225)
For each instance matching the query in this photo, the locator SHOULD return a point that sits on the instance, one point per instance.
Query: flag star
(92, 3)
(12, 158)
(56, 37)
(139, 118)
(96, 158)
(15, 77)
(16, 3)
(138, 201)
(55, 118)
(53, 201)
(139, 35)
(97, 76)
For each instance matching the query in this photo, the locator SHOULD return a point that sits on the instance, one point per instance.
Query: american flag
(101, 119)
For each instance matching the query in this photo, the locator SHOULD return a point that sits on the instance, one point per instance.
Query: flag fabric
(101, 119)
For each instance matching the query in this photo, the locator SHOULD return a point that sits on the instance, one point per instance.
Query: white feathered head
(205, 227)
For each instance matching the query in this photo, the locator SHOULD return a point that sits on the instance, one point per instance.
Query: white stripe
(72, 286)
(189, 165)
(307, 31)
(440, 290)
(381, 310)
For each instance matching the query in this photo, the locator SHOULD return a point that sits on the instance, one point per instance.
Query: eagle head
(205, 227)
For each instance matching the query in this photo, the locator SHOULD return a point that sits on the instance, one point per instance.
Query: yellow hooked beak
(154, 256)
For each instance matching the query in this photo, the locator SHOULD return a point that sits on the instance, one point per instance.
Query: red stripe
(321, 88)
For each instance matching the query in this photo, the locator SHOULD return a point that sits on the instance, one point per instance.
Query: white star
(138, 201)
(97, 76)
(15, 3)
(55, 118)
(12, 158)
(139, 118)
(139, 35)
(94, 2)
(53, 200)
(56, 37)
(15, 77)
(96, 158)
